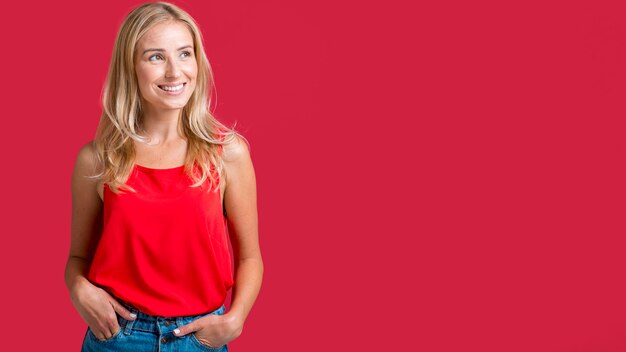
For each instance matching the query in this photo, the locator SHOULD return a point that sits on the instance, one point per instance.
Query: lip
(179, 92)
(171, 84)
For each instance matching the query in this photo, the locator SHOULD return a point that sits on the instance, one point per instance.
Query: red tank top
(164, 249)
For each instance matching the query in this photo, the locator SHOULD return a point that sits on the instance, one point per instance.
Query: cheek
(145, 76)
(192, 70)
(141, 79)
(144, 84)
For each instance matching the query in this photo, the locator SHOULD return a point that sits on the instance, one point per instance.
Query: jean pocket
(112, 338)
(203, 347)
(122, 324)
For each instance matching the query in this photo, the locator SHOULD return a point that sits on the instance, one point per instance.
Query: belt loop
(129, 323)
(179, 321)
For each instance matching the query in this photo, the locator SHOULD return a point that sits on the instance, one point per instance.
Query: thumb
(186, 329)
(122, 311)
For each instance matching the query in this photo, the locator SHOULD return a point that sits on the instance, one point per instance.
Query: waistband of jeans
(155, 323)
(155, 318)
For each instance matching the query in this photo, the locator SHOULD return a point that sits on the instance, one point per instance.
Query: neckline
(145, 168)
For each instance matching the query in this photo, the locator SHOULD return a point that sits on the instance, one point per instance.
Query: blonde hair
(122, 117)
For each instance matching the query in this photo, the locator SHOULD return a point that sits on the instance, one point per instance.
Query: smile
(172, 88)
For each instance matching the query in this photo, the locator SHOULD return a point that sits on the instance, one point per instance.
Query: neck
(162, 126)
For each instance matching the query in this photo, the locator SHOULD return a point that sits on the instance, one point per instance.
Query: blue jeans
(148, 333)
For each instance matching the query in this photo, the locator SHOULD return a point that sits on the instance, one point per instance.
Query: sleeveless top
(165, 248)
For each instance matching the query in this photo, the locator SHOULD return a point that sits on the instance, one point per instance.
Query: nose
(172, 69)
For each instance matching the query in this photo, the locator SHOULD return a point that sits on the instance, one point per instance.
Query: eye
(149, 59)
(187, 52)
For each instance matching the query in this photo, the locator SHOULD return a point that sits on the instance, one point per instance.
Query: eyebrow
(158, 49)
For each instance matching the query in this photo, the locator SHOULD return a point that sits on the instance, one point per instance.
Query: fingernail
(133, 315)
(177, 331)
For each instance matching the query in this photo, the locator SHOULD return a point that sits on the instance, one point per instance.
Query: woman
(153, 195)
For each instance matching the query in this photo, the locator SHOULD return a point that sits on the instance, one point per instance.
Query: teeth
(172, 89)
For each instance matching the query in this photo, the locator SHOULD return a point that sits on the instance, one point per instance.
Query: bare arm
(241, 210)
(86, 220)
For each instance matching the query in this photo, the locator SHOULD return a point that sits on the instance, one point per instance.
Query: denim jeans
(149, 333)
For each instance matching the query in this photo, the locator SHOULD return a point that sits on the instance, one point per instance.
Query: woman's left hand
(214, 330)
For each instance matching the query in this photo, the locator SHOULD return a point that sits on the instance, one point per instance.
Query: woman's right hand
(98, 309)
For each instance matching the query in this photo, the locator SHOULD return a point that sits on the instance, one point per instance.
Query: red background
(436, 176)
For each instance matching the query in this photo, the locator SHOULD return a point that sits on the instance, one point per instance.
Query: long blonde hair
(122, 117)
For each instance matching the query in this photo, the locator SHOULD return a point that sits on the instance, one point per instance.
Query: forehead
(166, 35)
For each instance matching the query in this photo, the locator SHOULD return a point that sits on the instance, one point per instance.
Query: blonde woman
(153, 196)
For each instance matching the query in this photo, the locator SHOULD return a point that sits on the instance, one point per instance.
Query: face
(165, 60)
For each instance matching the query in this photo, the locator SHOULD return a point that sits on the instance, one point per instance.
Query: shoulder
(86, 158)
(236, 151)
(237, 162)
(84, 187)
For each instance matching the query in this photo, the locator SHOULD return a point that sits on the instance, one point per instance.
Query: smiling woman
(156, 197)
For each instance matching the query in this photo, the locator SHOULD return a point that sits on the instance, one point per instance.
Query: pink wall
(435, 176)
